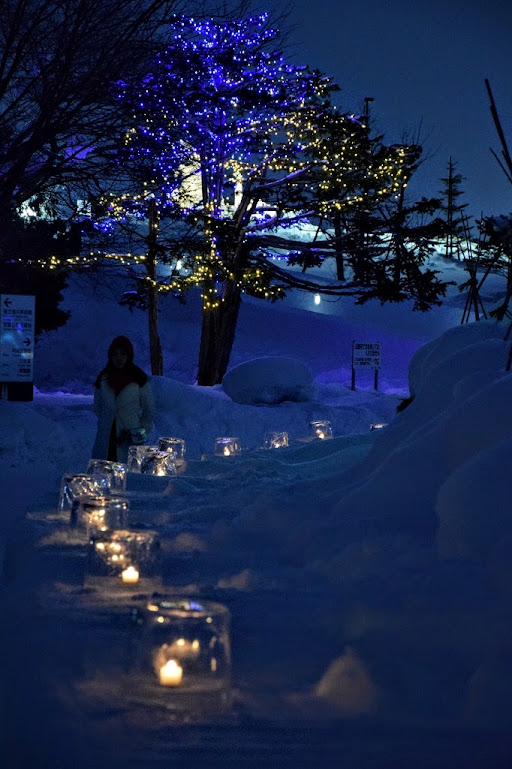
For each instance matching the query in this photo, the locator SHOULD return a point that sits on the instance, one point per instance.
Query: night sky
(424, 63)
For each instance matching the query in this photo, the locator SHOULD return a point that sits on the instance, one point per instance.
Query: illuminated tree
(229, 140)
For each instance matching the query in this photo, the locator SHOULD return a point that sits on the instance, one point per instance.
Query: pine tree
(219, 126)
(234, 146)
(456, 225)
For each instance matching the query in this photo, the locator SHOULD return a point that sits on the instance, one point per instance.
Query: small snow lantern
(185, 657)
(75, 485)
(274, 440)
(114, 471)
(99, 513)
(321, 429)
(124, 558)
(176, 445)
(227, 447)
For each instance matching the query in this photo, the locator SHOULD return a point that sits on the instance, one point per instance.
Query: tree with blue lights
(230, 142)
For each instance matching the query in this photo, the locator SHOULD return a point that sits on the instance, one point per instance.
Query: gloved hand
(138, 436)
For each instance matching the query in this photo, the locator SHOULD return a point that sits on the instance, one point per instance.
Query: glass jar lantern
(275, 440)
(115, 473)
(227, 447)
(185, 655)
(176, 445)
(75, 485)
(95, 513)
(321, 429)
(123, 559)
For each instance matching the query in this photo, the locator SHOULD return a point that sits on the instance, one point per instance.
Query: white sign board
(366, 355)
(17, 318)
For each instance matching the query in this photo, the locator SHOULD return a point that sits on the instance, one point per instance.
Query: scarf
(119, 378)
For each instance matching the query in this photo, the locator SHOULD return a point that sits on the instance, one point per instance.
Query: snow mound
(473, 505)
(347, 686)
(24, 433)
(452, 341)
(269, 381)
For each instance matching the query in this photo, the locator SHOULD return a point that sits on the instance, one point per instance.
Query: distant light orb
(318, 298)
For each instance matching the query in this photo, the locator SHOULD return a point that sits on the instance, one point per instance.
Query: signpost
(366, 355)
(17, 321)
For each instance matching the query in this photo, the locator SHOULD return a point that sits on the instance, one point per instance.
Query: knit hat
(124, 344)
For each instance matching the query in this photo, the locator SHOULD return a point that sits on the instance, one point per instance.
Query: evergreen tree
(456, 224)
(233, 145)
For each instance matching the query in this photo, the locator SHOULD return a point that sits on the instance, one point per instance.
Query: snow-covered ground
(368, 577)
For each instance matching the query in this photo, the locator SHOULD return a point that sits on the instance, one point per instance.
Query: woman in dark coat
(123, 403)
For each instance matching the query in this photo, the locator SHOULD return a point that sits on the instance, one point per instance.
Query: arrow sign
(17, 317)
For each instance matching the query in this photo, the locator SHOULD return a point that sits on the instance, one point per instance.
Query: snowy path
(70, 650)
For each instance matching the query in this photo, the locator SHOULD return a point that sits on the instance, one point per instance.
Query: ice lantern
(99, 513)
(176, 445)
(124, 558)
(275, 440)
(114, 472)
(75, 485)
(158, 462)
(151, 461)
(320, 429)
(185, 655)
(226, 447)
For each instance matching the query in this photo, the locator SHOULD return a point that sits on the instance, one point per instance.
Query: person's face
(119, 358)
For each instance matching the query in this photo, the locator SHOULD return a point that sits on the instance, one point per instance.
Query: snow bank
(389, 496)
(473, 505)
(199, 415)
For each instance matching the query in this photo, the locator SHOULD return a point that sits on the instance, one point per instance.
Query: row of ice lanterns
(188, 646)
(186, 643)
(228, 447)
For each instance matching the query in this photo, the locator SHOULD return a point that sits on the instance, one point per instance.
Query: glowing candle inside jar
(227, 452)
(171, 674)
(321, 434)
(130, 575)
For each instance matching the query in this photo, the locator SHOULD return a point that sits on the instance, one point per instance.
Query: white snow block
(269, 380)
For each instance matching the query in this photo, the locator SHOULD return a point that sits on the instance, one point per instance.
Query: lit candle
(171, 674)
(321, 434)
(130, 575)
(227, 452)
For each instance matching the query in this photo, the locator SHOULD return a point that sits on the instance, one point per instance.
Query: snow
(368, 576)
(271, 380)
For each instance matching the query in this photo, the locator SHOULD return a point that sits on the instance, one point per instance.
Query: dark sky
(424, 63)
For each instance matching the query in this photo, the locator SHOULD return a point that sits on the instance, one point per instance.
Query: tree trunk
(155, 347)
(217, 336)
(340, 263)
